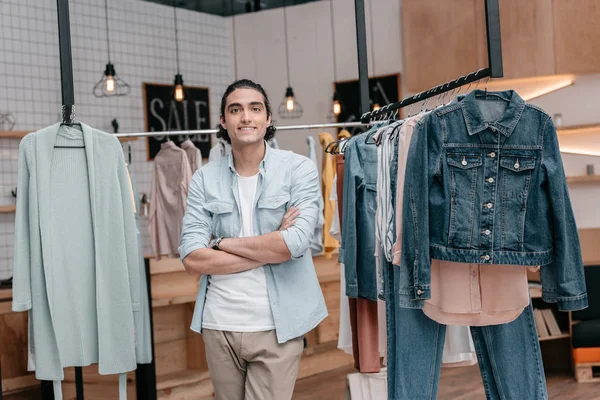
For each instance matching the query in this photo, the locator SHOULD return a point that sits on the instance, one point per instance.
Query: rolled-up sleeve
(304, 195)
(196, 229)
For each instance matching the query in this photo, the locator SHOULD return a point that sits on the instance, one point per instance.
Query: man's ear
(223, 122)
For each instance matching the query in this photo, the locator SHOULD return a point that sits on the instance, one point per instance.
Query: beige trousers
(252, 365)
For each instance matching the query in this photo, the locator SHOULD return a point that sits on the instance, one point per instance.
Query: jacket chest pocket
(515, 182)
(271, 210)
(464, 172)
(222, 218)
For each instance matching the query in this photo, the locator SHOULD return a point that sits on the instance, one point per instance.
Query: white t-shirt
(240, 302)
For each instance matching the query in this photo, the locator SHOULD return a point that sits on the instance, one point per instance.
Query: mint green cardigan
(115, 249)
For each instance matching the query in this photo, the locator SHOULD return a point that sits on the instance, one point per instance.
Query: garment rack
(278, 128)
(494, 70)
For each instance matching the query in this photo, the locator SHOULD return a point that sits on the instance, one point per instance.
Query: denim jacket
(285, 179)
(358, 213)
(485, 184)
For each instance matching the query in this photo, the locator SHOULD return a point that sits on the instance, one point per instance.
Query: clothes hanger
(68, 119)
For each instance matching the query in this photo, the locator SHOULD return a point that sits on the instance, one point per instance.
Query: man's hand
(289, 218)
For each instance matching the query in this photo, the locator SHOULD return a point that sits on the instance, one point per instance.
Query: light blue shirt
(285, 179)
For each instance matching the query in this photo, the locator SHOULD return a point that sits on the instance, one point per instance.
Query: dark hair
(245, 84)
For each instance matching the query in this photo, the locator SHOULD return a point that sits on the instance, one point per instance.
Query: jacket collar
(169, 144)
(506, 124)
(187, 144)
(261, 166)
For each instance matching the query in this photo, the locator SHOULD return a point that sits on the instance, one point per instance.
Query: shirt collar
(261, 166)
(505, 125)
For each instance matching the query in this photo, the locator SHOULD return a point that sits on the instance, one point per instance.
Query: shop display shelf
(564, 335)
(13, 134)
(11, 208)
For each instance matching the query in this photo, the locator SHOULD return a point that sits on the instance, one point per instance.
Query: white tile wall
(142, 50)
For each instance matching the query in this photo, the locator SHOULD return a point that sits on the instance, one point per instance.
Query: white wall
(142, 50)
(260, 44)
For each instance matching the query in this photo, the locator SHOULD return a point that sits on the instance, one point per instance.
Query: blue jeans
(509, 356)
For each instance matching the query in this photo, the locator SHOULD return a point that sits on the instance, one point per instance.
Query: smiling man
(247, 229)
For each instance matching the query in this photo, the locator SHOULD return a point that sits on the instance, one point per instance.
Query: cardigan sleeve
(130, 234)
(22, 248)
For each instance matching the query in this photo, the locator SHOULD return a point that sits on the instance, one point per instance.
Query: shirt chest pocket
(271, 210)
(516, 175)
(222, 218)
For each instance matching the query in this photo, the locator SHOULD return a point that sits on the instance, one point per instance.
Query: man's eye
(257, 109)
(234, 110)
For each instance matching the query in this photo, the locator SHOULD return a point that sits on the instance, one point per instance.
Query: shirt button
(487, 232)
(490, 180)
(492, 154)
(419, 292)
(489, 205)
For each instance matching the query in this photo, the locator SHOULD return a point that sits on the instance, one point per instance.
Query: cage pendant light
(178, 92)
(110, 84)
(289, 107)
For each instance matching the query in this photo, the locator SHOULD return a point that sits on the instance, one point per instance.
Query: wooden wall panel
(439, 41)
(196, 354)
(328, 330)
(171, 357)
(170, 323)
(577, 36)
(13, 344)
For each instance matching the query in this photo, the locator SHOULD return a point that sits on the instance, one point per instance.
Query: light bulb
(178, 92)
(337, 107)
(110, 83)
(290, 104)
(376, 107)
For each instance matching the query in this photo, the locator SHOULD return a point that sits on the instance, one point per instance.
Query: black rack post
(494, 41)
(145, 374)
(363, 65)
(66, 60)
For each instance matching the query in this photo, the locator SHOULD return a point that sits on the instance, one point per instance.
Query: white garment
(367, 386)
(336, 229)
(240, 302)
(221, 149)
(316, 244)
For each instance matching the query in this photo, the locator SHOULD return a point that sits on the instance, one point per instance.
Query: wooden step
(190, 384)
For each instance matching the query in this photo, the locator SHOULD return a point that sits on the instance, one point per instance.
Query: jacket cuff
(420, 292)
(566, 303)
(19, 306)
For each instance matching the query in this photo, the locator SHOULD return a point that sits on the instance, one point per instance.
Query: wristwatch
(214, 243)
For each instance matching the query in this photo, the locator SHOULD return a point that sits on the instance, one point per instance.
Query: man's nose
(245, 116)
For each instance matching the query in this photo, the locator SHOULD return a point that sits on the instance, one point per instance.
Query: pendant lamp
(178, 92)
(289, 107)
(110, 84)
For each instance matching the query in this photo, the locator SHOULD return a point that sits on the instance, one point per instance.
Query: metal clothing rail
(278, 128)
(494, 70)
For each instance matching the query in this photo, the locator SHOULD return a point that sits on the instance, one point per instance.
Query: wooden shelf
(5, 294)
(583, 179)
(173, 288)
(187, 377)
(5, 307)
(8, 209)
(563, 336)
(588, 128)
(13, 134)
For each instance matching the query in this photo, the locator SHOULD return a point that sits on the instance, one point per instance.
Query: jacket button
(492, 129)
(419, 292)
(490, 180)
(487, 232)
(492, 154)
(486, 257)
(489, 205)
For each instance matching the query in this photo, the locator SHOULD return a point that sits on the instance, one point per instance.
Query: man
(247, 230)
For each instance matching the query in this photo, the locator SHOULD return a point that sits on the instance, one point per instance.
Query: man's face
(245, 117)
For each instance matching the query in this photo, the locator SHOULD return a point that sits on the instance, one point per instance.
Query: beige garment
(171, 177)
(252, 365)
(193, 154)
(327, 174)
(476, 294)
(404, 138)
